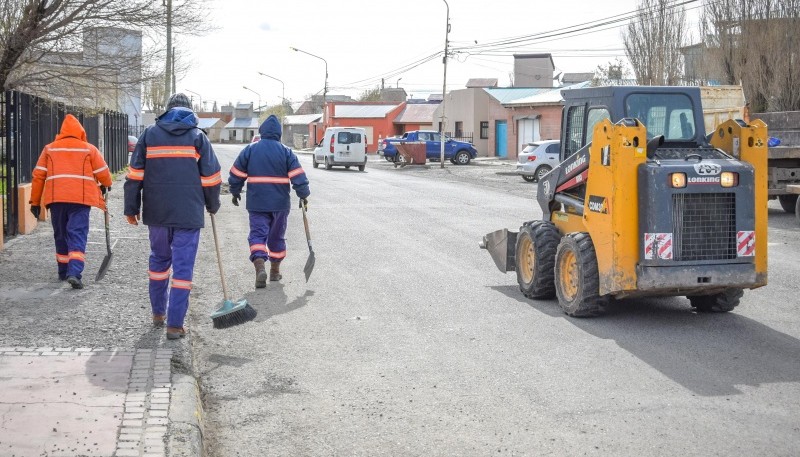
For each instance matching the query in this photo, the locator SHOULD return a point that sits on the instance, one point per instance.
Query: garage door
(527, 132)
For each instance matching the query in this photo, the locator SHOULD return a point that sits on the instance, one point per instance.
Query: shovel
(311, 258)
(107, 259)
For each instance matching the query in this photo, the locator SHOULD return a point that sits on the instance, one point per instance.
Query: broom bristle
(238, 317)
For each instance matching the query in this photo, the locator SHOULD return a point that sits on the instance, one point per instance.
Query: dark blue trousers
(172, 250)
(268, 235)
(70, 230)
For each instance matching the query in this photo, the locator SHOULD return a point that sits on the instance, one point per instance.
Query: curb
(186, 418)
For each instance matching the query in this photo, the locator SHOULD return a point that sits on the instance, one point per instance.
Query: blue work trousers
(172, 251)
(268, 235)
(70, 231)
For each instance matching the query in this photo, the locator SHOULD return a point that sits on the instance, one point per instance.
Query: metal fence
(462, 136)
(28, 123)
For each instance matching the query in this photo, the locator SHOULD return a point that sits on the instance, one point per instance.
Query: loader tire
(577, 278)
(716, 303)
(535, 256)
(788, 202)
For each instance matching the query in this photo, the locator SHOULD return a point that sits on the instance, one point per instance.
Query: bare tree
(86, 49)
(653, 41)
(370, 95)
(612, 73)
(756, 43)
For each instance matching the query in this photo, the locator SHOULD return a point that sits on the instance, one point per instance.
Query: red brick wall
(549, 124)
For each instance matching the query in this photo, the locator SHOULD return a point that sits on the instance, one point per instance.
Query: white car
(537, 159)
(342, 146)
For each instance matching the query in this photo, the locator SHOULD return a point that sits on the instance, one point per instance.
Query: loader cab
(673, 112)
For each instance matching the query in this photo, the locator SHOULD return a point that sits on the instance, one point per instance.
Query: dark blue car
(458, 152)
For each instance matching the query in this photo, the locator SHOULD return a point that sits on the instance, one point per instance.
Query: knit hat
(179, 99)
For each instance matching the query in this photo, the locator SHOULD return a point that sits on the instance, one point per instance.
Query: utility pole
(168, 66)
(444, 88)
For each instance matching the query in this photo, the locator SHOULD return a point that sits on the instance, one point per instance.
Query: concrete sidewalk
(84, 372)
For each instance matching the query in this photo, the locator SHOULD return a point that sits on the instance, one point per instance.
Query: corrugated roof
(243, 123)
(207, 122)
(301, 119)
(482, 82)
(363, 111)
(550, 97)
(509, 94)
(417, 114)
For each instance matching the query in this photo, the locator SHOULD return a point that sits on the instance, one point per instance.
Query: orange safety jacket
(69, 170)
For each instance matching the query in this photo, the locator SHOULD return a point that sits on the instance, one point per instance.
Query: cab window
(671, 115)
(595, 115)
(574, 139)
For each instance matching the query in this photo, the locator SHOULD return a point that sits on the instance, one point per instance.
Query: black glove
(303, 203)
(36, 210)
(104, 189)
(235, 199)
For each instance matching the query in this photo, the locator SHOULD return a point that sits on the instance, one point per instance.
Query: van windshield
(348, 138)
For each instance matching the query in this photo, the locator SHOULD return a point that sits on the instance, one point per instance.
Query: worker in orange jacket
(65, 181)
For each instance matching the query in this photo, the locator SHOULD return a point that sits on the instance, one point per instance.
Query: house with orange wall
(377, 118)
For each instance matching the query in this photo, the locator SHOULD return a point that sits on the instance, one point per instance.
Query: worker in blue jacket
(269, 168)
(174, 174)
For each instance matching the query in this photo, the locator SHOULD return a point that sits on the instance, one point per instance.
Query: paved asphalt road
(408, 341)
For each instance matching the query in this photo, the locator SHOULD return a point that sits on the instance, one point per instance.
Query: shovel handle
(305, 225)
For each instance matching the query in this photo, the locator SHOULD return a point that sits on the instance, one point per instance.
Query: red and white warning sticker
(746, 244)
(658, 246)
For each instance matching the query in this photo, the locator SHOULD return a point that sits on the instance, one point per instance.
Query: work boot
(173, 333)
(75, 282)
(275, 271)
(261, 273)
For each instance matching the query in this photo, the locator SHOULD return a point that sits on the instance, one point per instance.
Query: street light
(259, 96)
(398, 83)
(198, 96)
(444, 88)
(283, 87)
(325, 88)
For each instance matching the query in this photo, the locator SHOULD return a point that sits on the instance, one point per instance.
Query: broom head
(230, 314)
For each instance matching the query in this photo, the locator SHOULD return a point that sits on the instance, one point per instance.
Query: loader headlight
(729, 179)
(677, 180)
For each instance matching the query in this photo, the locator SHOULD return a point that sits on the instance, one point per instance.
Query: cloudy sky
(366, 40)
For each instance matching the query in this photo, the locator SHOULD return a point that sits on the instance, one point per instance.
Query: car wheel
(328, 165)
(453, 161)
(314, 162)
(529, 178)
(541, 171)
(788, 202)
(361, 167)
(347, 167)
(462, 158)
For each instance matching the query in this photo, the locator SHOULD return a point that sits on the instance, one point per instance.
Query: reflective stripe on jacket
(69, 170)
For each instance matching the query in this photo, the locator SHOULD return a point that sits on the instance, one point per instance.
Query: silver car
(537, 159)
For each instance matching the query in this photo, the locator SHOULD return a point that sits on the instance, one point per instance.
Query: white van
(342, 147)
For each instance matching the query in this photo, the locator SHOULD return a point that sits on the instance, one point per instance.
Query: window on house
(459, 129)
(484, 130)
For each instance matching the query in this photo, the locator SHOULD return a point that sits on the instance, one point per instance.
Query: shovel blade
(104, 267)
(309, 265)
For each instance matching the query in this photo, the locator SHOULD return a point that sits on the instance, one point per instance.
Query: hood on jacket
(177, 120)
(270, 129)
(71, 128)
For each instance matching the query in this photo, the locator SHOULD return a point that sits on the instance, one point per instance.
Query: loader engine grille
(704, 226)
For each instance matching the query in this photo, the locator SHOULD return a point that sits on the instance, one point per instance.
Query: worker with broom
(269, 168)
(175, 173)
(65, 181)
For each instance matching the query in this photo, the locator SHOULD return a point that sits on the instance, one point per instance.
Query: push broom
(230, 313)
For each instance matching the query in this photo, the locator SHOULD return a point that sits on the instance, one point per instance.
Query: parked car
(537, 159)
(342, 146)
(458, 152)
(132, 140)
(256, 138)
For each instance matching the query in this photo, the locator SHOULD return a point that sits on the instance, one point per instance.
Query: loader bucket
(501, 245)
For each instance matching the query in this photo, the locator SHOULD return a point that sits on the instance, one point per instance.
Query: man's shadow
(272, 301)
